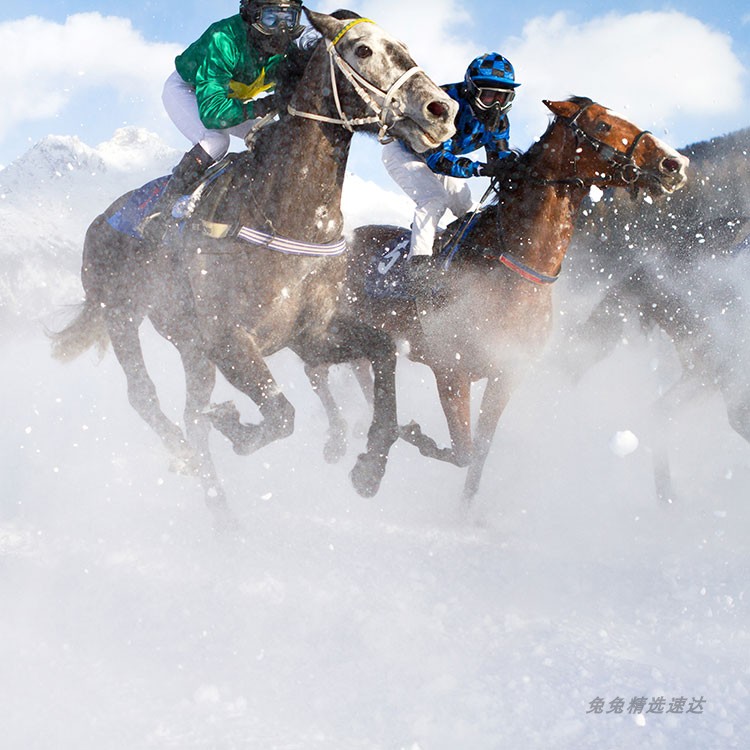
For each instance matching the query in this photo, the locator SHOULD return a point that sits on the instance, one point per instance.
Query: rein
(363, 87)
(622, 161)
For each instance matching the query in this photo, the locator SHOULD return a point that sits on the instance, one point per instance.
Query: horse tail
(86, 330)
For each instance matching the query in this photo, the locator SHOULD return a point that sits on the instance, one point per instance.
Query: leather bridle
(382, 109)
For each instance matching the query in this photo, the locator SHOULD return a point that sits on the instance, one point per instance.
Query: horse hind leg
(141, 389)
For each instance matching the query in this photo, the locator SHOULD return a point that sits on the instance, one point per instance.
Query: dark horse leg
(454, 388)
(190, 454)
(349, 340)
(240, 360)
(495, 399)
(200, 378)
(123, 332)
(335, 446)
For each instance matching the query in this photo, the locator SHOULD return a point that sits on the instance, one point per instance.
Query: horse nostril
(437, 108)
(671, 165)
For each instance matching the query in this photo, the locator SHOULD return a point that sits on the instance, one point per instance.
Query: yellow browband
(346, 28)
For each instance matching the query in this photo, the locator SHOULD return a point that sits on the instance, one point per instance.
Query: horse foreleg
(200, 377)
(335, 446)
(454, 389)
(494, 401)
(142, 395)
(242, 364)
(368, 472)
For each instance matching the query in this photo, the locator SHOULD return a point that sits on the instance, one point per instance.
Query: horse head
(373, 84)
(613, 152)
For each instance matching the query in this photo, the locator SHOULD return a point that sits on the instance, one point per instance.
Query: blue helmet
(490, 86)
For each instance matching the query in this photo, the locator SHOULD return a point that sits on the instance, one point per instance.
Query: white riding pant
(182, 107)
(432, 193)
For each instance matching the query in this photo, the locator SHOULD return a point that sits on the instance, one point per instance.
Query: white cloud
(60, 61)
(658, 68)
(432, 38)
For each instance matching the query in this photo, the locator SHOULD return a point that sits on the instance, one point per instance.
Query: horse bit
(361, 86)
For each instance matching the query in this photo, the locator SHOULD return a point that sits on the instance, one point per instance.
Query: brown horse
(492, 313)
(264, 266)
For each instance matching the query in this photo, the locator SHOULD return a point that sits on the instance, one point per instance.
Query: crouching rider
(437, 179)
(215, 90)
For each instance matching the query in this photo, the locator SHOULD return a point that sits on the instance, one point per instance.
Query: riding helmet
(490, 86)
(270, 18)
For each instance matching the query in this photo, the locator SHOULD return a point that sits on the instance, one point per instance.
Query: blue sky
(679, 69)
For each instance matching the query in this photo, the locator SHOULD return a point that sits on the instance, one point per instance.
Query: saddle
(207, 198)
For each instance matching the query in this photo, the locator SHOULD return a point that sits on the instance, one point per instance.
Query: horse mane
(516, 168)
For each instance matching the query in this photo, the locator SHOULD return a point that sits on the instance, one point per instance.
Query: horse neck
(535, 221)
(298, 172)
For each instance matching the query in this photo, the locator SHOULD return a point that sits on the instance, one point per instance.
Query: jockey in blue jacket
(436, 180)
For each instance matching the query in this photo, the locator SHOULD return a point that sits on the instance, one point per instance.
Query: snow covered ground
(338, 622)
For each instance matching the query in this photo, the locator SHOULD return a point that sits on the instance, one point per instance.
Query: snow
(338, 622)
(623, 443)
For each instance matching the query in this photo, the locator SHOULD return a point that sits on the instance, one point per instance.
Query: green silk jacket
(224, 53)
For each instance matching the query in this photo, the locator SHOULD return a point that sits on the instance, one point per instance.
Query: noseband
(363, 87)
(623, 161)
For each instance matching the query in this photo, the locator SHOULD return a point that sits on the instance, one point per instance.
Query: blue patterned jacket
(471, 135)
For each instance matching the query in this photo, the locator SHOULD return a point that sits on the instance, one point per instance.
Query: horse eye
(603, 127)
(363, 51)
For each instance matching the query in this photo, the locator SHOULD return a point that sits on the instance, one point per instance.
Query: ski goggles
(488, 98)
(273, 18)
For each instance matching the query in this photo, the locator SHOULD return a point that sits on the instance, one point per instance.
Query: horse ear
(561, 109)
(328, 26)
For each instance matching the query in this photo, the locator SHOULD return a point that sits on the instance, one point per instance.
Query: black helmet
(272, 18)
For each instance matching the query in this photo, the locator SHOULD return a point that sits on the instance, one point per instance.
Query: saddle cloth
(209, 194)
(387, 272)
(139, 205)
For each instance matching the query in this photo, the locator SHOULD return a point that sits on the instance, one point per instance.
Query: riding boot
(192, 166)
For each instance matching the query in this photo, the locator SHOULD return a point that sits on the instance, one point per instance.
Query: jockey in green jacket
(215, 90)
(219, 60)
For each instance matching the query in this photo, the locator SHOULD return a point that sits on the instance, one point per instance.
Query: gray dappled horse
(492, 313)
(264, 265)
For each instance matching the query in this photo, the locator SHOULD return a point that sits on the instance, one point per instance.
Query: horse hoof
(367, 474)
(185, 466)
(334, 450)
(224, 416)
